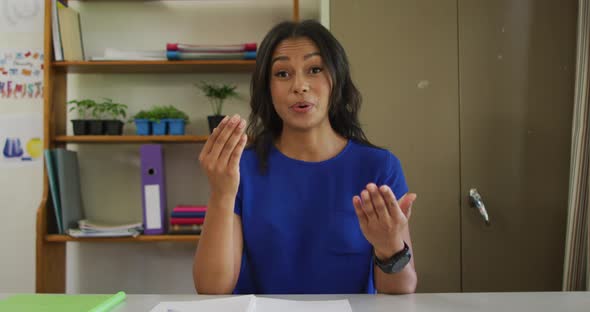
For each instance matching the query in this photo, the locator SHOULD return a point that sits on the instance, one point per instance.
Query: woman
(310, 206)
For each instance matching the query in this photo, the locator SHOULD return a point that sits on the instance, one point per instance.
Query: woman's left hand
(382, 218)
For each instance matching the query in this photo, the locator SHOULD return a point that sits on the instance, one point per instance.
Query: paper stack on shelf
(182, 51)
(112, 54)
(102, 229)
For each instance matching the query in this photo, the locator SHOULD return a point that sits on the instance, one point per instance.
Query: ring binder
(153, 189)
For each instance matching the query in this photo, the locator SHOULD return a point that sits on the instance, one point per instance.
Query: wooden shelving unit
(106, 139)
(93, 67)
(50, 247)
(56, 238)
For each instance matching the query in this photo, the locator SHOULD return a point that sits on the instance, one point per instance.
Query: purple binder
(153, 189)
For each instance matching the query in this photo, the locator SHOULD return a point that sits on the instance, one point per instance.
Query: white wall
(21, 27)
(110, 173)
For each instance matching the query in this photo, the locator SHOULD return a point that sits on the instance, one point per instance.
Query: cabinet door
(472, 94)
(404, 61)
(516, 61)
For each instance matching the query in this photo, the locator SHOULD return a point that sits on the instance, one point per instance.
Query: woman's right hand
(220, 157)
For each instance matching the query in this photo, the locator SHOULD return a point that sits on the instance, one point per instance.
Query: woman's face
(300, 85)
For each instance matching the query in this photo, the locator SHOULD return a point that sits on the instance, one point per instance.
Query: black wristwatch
(396, 263)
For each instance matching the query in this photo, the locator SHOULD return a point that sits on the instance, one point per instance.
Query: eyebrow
(286, 58)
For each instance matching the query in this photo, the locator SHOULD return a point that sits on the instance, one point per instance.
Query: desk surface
(468, 302)
(455, 302)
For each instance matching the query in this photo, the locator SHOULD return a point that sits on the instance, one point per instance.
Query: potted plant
(167, 120)
(83, 107)
(96, 124)
(142, 122)
(113, 112)
(176, 120)
(217, 94)
(158, 116)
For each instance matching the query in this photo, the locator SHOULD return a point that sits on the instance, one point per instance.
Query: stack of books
(63, 172)
(66, 32)
(187, 219)
(101, 229)
(183, 51)
(68, 44)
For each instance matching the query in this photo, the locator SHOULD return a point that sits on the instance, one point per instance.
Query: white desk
(452, 302)
(455, 302)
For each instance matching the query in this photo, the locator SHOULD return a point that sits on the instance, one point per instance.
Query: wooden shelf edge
(131, 138)
(58, 238)
(162, 66)
(152, 63)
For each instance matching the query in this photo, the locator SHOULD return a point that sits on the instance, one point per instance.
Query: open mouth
(302, 106)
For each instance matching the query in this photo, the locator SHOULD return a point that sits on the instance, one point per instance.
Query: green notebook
(61, 303)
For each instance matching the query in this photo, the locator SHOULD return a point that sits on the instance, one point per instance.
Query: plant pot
(214, 121)
(95, 127)
(176, 126)
(80, 126)
(143, 127)
(113, 127)
(159, 127)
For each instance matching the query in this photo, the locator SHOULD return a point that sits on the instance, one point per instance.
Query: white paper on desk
(281, 305)
(231, 304)
(252, 303)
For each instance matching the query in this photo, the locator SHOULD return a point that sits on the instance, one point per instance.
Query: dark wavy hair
(265, 125)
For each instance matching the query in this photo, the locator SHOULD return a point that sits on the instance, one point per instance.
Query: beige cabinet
(472, 94)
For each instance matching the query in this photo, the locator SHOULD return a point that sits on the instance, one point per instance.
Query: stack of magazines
(184, 51)
(187, 219)
(102, 229)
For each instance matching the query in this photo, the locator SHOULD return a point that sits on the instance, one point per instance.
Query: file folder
(153, 189)
(68, 177)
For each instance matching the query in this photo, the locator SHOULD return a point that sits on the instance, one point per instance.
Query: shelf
(57, 238)
(117, 0)
(132, 139)
(155, 66)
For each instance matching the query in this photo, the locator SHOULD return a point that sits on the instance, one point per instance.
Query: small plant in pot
(84, 108)
(113, 112)
(217, 94)
(143, 122)
(158, 116)
(96, 124)
(176, 120)
(167, 120)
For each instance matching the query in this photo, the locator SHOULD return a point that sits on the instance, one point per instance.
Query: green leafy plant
(174, 113)
(83, 107)
(168, 112)
(217, 94)
(141, 115)
(112, 110)
(158, 113)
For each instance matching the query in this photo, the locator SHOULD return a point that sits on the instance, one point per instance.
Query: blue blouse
(301, 233)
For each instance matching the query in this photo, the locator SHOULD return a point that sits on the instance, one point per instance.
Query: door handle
(477, 203)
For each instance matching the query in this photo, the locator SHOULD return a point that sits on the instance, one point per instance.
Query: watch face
(396, 263)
